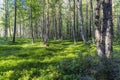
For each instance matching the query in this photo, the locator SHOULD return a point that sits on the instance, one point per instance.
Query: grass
(24, 61)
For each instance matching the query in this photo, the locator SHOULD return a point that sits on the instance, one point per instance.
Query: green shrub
(108, 69)
(89, 68)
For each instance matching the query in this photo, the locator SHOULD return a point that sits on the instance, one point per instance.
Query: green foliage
(79, 68)
(62, 60)
(108, 69)
(89, 68)
(24, 61)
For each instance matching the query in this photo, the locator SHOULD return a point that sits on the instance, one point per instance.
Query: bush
(108, 69)
(89, 68)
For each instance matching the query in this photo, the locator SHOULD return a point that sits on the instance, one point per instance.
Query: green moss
(24, 61)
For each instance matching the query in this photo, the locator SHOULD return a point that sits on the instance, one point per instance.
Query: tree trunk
(60, 21)
(81, 22)
(74, 24)
(47, 26)
(87, 20)
(31, 23)
(98, 28)
(14, 33)
(109, 28)
(6, 20)
(91, 21)
(77, 24)
(20, 28)
(104, 29)
(43, 23)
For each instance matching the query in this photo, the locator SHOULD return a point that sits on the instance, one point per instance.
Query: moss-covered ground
(24, 61)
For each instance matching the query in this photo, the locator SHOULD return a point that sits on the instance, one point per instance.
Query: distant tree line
(87, 20)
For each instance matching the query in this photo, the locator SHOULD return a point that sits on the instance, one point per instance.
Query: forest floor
(25, 61)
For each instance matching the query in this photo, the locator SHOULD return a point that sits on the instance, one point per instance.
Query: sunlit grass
(26, 61)
(116, 51)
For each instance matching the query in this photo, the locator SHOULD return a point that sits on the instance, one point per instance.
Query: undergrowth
(89, 68)
(62, 60)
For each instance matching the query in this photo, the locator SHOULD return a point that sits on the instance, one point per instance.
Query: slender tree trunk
(10, 32)
(60, 21)
(47, 26)
(98, 28)
(36, 29)
(109, 28)
(31, 23)
(87, 20)
(74, 23)
(23, 28)
(91, 21)
(77, 24)
(54, 26)
(6, 20)
(20, 29)
(15, 11)
(43, 23)
(81, 22)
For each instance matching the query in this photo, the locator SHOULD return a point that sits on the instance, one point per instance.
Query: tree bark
(91, 21)
(87, 21)
(109, 28)
(74, 24)
(60, 21)
(15, 11)
(98, 28)
(47, 26)
(81, 22)
(31, 23)
(104, 28)
(6, 20)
